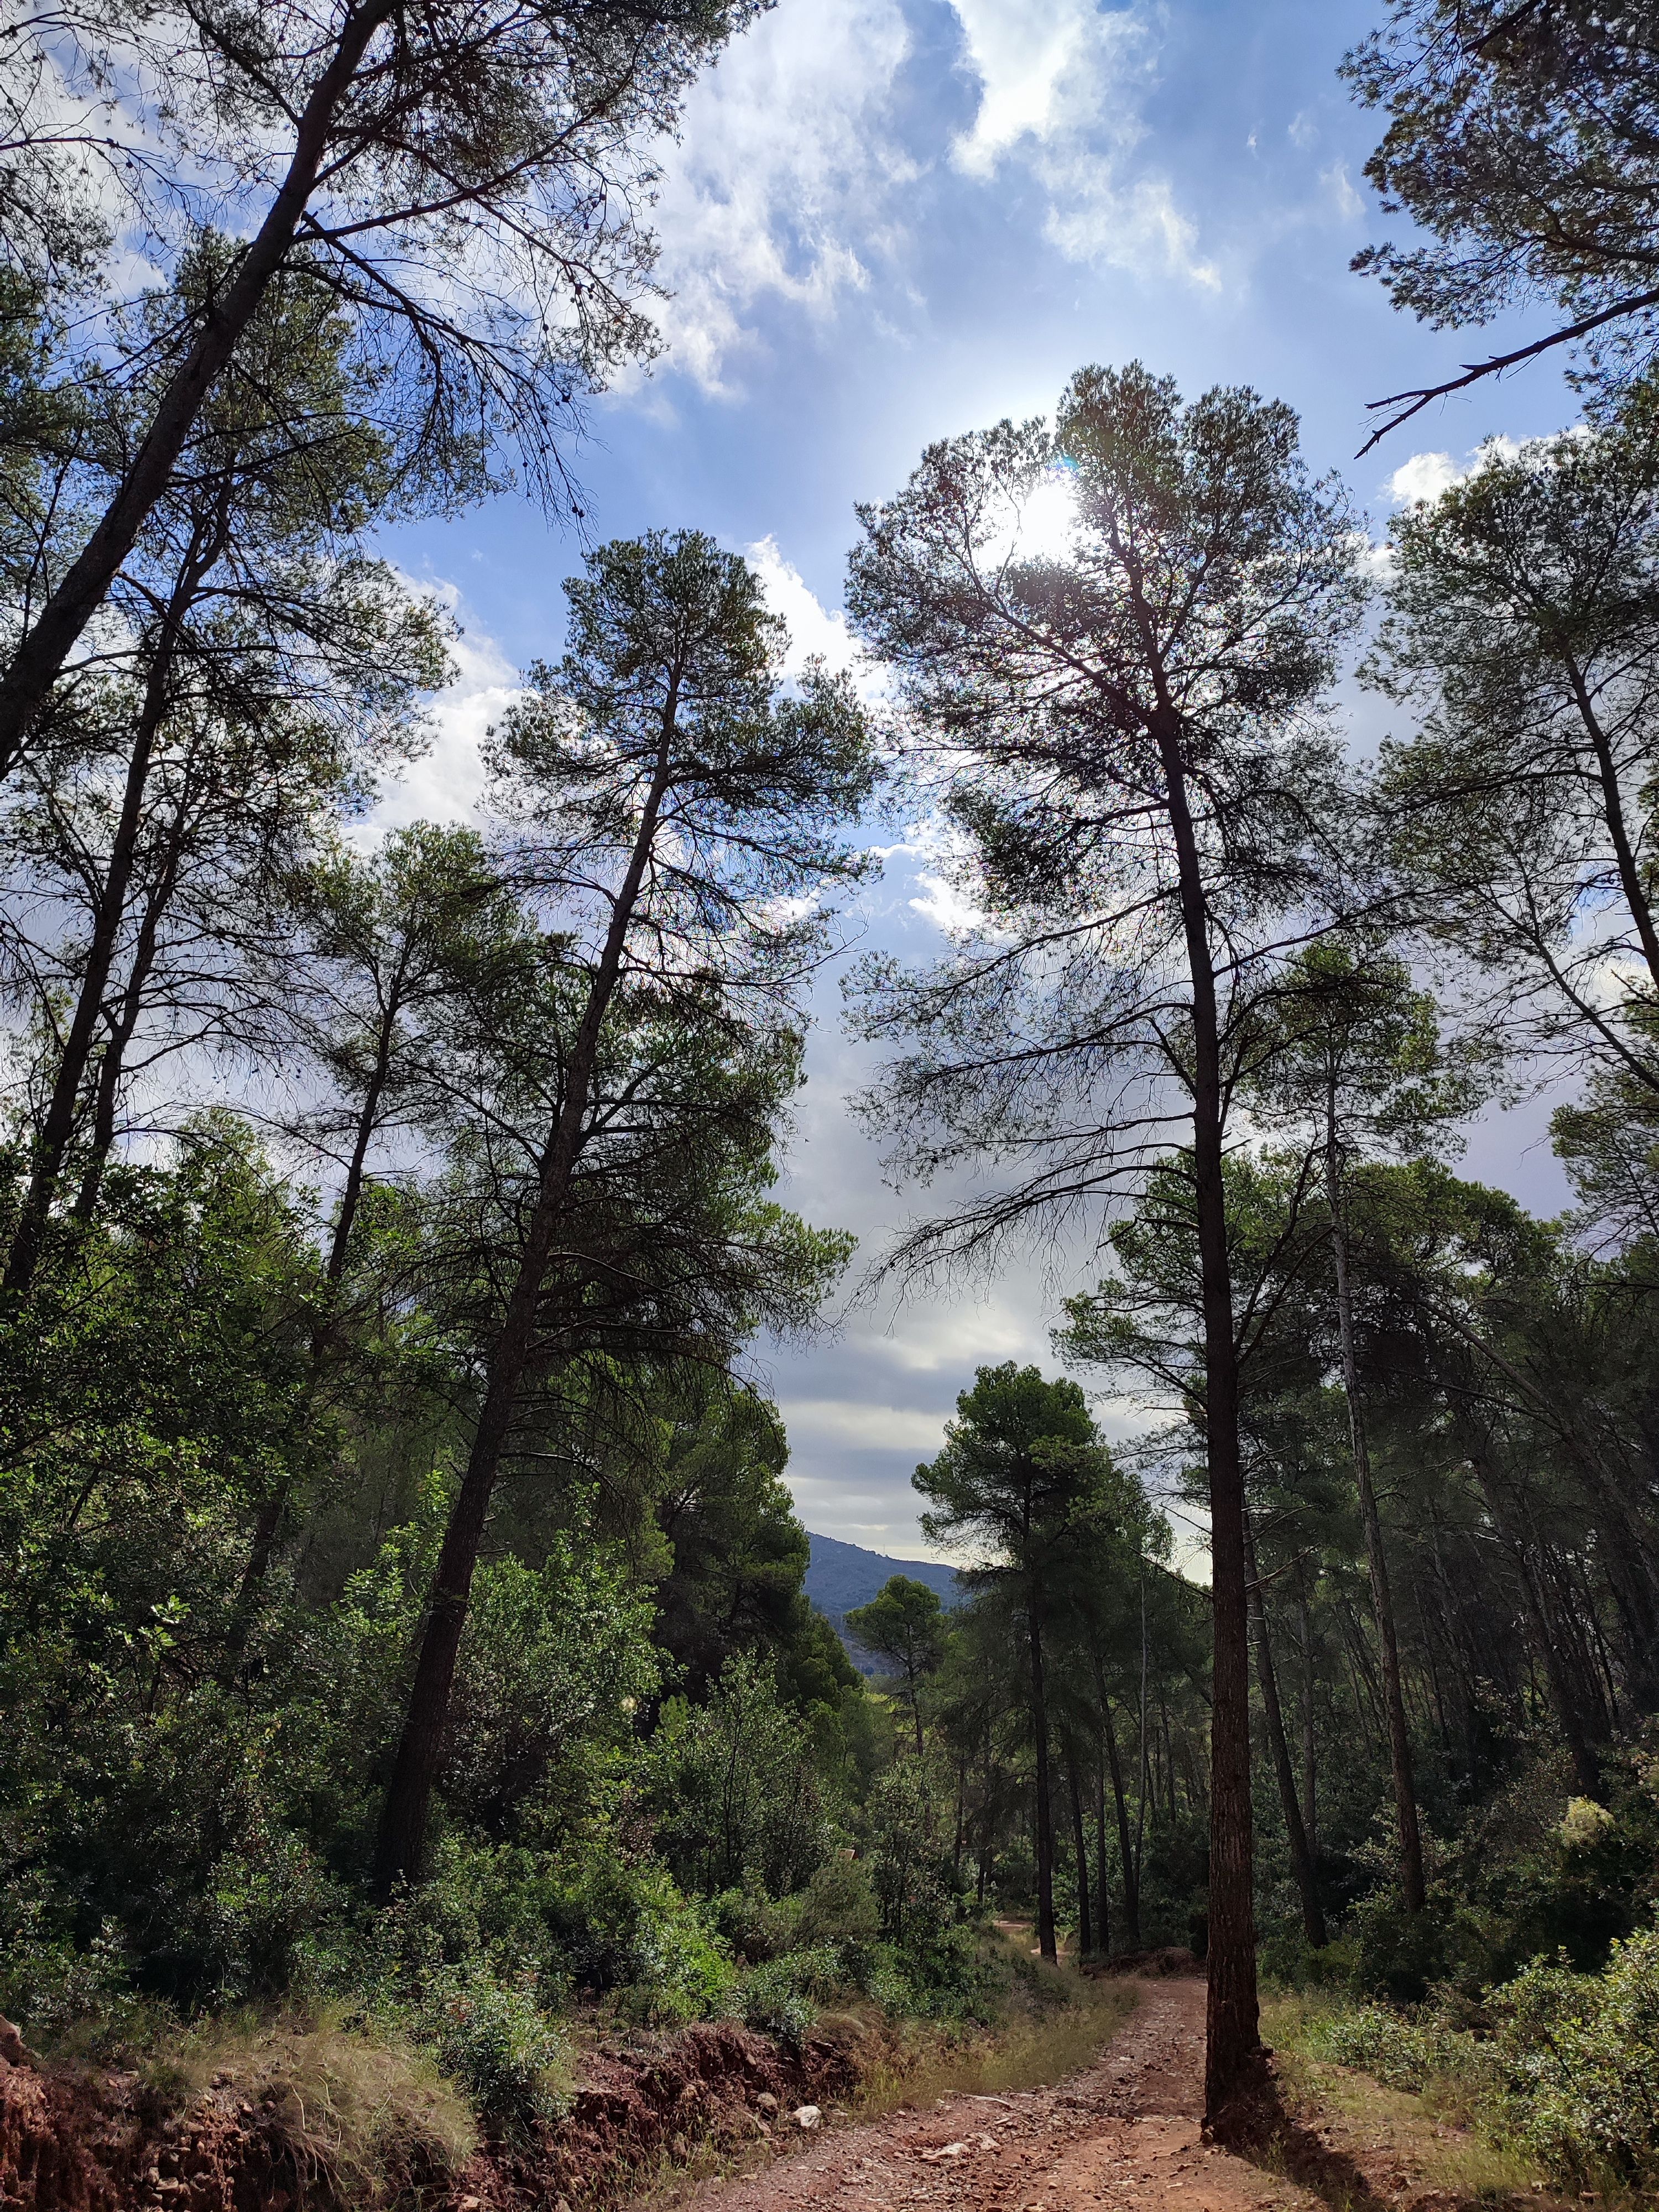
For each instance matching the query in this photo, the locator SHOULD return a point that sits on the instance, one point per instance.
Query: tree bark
(401, 1841)
(1393, 1706)
(1302, 1866)
(39, 658)
(1585, 1769)
(1309, 1732)
(1233, 2041)
(1044, 1836)
(1125, 1846)
(1086, 1933)
(58, 1125)
(1103, 1887)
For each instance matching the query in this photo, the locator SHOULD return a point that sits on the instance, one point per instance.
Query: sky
(888, 221)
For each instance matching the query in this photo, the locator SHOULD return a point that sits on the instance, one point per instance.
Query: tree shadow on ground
(1258, 2126)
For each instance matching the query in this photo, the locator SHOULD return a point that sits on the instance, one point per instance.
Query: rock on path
(1123, 2134)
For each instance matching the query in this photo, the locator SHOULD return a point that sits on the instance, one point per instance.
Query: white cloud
(1339, 187)
(446, 782)
(813, 630)
(1061, 83)
(860, 1427)
(1426, 476)
(781, 183)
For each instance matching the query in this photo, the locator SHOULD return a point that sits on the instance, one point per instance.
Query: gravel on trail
(1123, 2133)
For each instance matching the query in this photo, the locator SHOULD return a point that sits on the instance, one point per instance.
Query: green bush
(839, 1904)
(1404, 2054)
(757, 1927)
(782, 1996)
(1579, 2055)
(495, 2040)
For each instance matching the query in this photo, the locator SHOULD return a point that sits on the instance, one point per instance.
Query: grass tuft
(366, 2118)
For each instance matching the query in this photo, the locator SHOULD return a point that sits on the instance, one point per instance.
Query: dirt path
(1125, 2133)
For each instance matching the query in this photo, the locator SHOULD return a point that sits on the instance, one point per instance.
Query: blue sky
(889, 220)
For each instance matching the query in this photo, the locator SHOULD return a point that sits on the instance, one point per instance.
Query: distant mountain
(842, 1576)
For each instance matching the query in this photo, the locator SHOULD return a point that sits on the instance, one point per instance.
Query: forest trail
(1125, 2132)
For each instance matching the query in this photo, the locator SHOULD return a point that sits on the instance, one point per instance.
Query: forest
(402, 1637)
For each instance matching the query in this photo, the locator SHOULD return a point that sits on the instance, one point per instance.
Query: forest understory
(424, 1781)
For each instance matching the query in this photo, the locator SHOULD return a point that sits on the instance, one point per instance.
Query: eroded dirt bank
(102, 2142)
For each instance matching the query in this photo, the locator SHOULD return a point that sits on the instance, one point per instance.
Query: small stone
(807, 2116)
(767, 2103)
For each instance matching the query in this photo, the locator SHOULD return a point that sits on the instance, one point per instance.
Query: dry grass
(362, 2114)
(1058, 2022)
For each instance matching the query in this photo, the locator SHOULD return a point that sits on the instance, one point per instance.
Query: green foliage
(734, 1788)
(495, 2041)
(1579, 2061)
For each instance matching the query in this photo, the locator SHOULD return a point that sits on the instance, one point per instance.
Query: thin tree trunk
(1309, 1732)
(1394, 1707)
(46, 647)
(112, 1062)
(1302, 1868)
(1102, 1887)
(57, 1124)
(1044, 1834)
(1125, 1847)
(1086, 1933)
(401, 1841)
(1568, 1718)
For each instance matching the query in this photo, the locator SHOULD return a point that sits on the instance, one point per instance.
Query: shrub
(756, 1929)
(1403, 2054)
(839, 1906)
(493, 2039)
(1580, 2061)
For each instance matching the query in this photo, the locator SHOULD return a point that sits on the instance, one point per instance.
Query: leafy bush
(782, 1996)
(1404, 2054)
(839, 1904)
(1579, 2055)
(755, 1927)
(735, 1788)
(493, 2039)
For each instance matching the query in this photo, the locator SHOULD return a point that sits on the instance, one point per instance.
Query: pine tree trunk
(50, 641)
(401, 1842)
(1233, 2041)
(1302, 1868)
(1044, 1827)
(1085, 1932)
(1103, 1887)
(1394, 1705)
(1124, 1846)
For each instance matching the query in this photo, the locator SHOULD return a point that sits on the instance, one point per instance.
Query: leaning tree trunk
(400, 1844)
(47, 644)
(1302, 1865)
(1233, 2042)
(1393, 1703)
(63, 1102)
